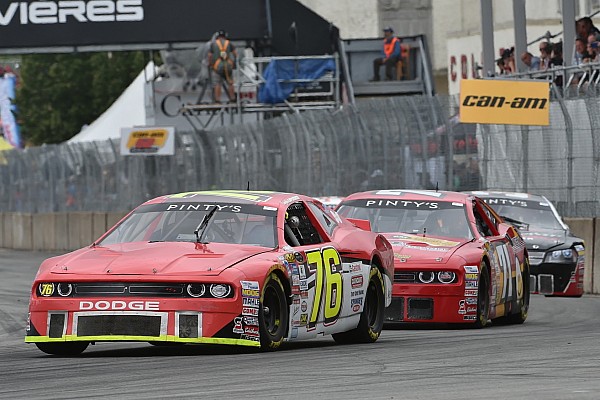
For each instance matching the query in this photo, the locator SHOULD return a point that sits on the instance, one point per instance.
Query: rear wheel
(371, 319)
(62, 348)
(273, 315)
(483, 298)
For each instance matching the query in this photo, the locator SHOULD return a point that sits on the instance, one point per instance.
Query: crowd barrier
(68, 231)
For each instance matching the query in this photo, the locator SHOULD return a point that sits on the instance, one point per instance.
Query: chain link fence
(412, 142)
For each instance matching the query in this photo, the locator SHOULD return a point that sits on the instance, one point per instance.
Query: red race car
(223, 267)
(456, 261)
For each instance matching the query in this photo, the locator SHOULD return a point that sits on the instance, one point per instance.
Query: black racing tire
(483, 298)
(273, 315)
(371, 319)
(63, 348)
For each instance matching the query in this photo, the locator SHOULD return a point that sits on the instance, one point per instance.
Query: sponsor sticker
(251, 321)
(470, 293)
(304, 306)
(289, 257)
(472, 276)
(355, 307)
(356, 293)
(253, 285)
(250, 293)
(461, 307)
(120, 305)
(356, 281)
(303, 284)
(295, 280)
(470, 317)
(302, 270)
(355, 266)
(253, 312)
(250, 302)
(357, 300)
(471, 300)
(303, 319)
(471, 284)
(237, 325)
(471, 269)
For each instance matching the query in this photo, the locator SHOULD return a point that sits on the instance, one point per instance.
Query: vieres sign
(515, 102)
(68, 25)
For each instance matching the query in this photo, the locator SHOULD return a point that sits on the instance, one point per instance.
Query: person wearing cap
(221, 58)
(390, 55)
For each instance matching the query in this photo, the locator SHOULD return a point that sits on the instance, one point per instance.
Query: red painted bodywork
(412, 253)
(188, 262)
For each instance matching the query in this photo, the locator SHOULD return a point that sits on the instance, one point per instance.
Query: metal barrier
(401, 142)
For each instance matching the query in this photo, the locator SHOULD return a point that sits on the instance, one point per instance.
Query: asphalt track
(554, 355)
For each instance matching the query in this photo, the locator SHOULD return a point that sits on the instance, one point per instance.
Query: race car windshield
(429, 218)
(177, 222)
(536, 218)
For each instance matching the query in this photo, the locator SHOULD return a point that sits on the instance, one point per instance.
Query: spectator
(532, 62)
(592, 48)
(545, 55)
(585, 27)
(222, 65)
(557, 55)
(391, 55)
(508, 56)
(580, 51)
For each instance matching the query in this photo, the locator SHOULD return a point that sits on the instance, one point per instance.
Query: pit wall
(70, 231)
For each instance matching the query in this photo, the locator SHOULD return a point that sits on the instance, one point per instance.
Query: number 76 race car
(223, 267)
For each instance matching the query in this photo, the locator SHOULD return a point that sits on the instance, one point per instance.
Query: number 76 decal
(326, 264)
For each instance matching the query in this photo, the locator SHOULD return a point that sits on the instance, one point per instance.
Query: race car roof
(263, 198)
(439, 195)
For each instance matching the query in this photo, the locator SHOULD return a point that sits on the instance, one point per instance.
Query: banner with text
(511, 102)
(148, 141)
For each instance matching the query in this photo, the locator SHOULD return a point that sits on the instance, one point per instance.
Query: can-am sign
(60, 12)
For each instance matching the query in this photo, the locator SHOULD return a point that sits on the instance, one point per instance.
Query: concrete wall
(70, 231)
(54, 231)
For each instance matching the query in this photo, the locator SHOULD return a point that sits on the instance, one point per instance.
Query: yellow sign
(515, 102)
(148, 141)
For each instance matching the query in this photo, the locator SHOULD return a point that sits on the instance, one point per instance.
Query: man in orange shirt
(390, 55)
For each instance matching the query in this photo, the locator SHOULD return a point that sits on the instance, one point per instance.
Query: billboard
(148, 141)
(503, 101)
(28, 26)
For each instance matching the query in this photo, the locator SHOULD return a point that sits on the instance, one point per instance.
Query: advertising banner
(148, 141)
(502, 101)
(10, 128)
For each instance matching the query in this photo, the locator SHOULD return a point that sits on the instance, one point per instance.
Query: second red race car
(456, 260)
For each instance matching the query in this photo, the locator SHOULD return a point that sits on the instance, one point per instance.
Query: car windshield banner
(513, 102)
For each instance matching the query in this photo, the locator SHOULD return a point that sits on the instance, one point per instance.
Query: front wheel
(273, 315)
(62, 348)
(371, 319)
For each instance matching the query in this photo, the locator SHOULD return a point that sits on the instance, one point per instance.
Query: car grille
(129, 289)
(119, 325)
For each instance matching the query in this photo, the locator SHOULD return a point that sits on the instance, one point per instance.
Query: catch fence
(412, 142)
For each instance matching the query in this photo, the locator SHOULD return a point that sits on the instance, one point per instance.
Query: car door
(501, 256)
(317, 286)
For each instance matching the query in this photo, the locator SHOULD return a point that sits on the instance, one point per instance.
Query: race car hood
(417, 248)
(543, 239)
(155, 259)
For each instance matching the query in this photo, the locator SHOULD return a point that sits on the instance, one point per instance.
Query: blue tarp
(276, 92)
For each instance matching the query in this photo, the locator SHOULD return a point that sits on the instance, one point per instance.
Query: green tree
(59, 93)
